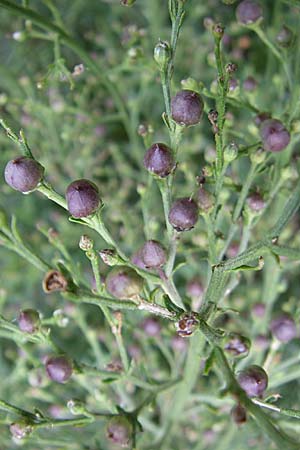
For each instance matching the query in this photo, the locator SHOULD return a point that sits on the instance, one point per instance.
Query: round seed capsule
(284, 328)
(153, 254)
(187, 107)
(159, 160)
(82, 198)
(253, 380)
(123, 282)
(183, 214)
(23, 174)
(29, 320)
(59, 368)
(249, 12)
(275, 137)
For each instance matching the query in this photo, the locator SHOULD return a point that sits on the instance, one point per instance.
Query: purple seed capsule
(59, 368)
(275, 137)
(159, 160)
(183, 214)
(119, 431)
(239, 414)
(153, 254)
(29, 320)
(123, 282)
(237, 346)
(187, 107)
(23, 174)
(255, 202)
(253, 380)
(82, 198)
(249, 12)
(284, 328)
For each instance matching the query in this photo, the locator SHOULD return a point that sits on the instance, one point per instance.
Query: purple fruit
(187, 107)
(29, 320)
(261, 117)
(59, 368)
(284, 328)
(153, 254)
(137, 259)
(255, 202)
(23, 174)
(236, 345)
(159, 160)
(253, 380)
(123, 282)
(119, 431)
(183, 214)
(249, 12)
(82, 198)
(275, 137)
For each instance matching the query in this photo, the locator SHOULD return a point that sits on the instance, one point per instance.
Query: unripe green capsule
(162, 54)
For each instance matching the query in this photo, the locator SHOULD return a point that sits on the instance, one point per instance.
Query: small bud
(284, 328)
(275, 137)
(218, 31)
(187, 324)
(153, 254)
(258, 156)
(54, 281)
(82, 198)
(86, 243)
(253, 380)
(59, 368)
(183, 214)
(239, 414)
(144, 130)
(237, 346)
(162, 54)
(205, 200)
(110, 257)
(248, 12)
(23, 174)
(119, 431)
(76, 407)
(187, 107)
(285, 37)
(159, 160)
(29, 321)
(123, 282)
(19, 430)
(230, 152)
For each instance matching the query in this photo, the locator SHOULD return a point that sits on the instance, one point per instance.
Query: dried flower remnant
(187, 324)
(54, 281)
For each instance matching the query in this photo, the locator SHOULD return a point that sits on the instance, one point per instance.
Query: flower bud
(123, 282)
(275, 137)
(237, 346)
(162, 54)
(239, 414)
(23, 174)
(218, 31)
(230, 152)
(183, 214)
(248, 12)
(187, 107)
(159, 160)
(284, 328)
(82, 198)
(187, 324)
(29, 321)
(258, 156)
(153, 255)
(59, 368)
(119, 430)
(205, 200)
(253, 380)
(86, 243)
(285, 37)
